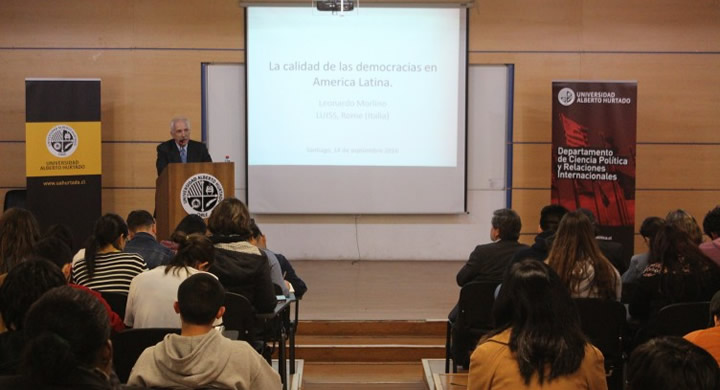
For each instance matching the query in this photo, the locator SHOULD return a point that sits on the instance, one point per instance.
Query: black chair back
(239, 316)
(129, 344)
(474, 319)
(604, 323)
(15, 198)
(475, 307)
(680, 319)
(117, 302)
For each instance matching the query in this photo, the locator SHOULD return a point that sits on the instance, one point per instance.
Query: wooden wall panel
(660, 25)
(513, 25)
(123, 201)
(13, 172)
(594, 25)
(677, 166)
(129, 165)
(531, 166)
(528, 204)
(122, 23)
(141, 90)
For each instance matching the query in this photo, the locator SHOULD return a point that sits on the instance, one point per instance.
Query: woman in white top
(577, 259)
(153, 293)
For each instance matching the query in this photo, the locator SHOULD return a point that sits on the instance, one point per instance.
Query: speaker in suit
(169, 151)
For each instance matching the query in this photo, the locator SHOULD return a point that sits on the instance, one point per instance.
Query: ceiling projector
(335, 5)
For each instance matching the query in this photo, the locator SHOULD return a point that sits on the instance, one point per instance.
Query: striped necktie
(183, 154)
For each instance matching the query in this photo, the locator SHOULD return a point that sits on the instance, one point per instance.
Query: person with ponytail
(152, 293)
(68, 345)
(105, 268)
(537, 342)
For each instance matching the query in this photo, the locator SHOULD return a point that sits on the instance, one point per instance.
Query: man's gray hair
(178, 119)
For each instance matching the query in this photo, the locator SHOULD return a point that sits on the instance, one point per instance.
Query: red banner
(593, 157)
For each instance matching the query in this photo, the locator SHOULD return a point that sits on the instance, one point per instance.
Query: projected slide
(375, 87)
(361, 113)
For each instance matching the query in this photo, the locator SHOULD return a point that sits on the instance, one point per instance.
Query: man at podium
(180, 149)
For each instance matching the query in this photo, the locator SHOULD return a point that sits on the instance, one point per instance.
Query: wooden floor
(378, 290)
(357, 376)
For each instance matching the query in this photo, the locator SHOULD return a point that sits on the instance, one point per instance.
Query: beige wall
(148, 54)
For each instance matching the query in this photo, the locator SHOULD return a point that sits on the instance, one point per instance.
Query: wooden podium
(201, 195)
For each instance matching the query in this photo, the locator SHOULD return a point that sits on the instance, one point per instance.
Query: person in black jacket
(239, 265)
(180, 148)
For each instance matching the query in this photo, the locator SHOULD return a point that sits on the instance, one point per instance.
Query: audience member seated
(258, 239)
(639, 262)
(709, 339)
(191, 224)
(152, 293)
(200, 356)
(538, 342)
(18, 232)
(613, 251)
(671, 363)
(687, 223)
(296, 284)
(711, 226)
(25, 283)
(489, 261)
(105, 268)
(577, 259)
(143, 241)
(63, 233)
(550, 217)
(239, 265)
(68, 346)
(57, 252)
(678, 272)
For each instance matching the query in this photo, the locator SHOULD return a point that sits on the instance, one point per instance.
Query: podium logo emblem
(200, 194)
(566, 96)
(62, 141)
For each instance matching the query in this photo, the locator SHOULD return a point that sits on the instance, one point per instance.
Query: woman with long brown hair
(577, 259)
(18, 233)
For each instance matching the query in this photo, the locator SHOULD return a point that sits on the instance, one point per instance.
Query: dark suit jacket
(614, 252)
(488, 262)
(167, 152)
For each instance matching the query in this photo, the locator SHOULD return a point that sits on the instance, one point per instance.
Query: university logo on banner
(593, 157)
(200, 194)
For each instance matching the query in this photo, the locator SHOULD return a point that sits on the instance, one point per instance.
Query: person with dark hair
(191, 224)
(489, 261)
(152, 293)
(612, 250)
(550, 217)
(105, 268)
(537, 342)
(711, 226)
(577, 259)
(239, 265)
(143, 241)
(296, 285)
(639, 262)
(678, 272)
(276, 275)
(200, 356)
(68, 345)
(709, 339)
(671, 363)
(55, 250)
(24, 284)
(18, 232)
(63, 233)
